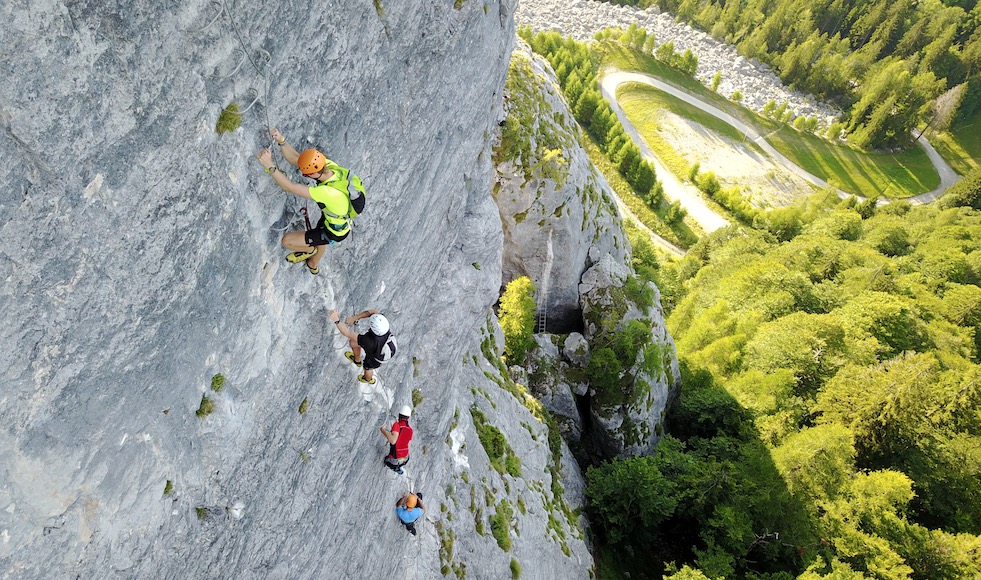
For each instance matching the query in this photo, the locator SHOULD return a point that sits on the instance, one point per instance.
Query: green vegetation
(500, 525)
(651, 264)
(966, 192)
(608, 146)
(679, 233)
(229, 119)
(169, 487)
(416, 398)
(478, 521)
(202, 513)
(960, 146)
(624, 57)
(576, 73)
(904, 173)
(206, 407)
(447, 564)
(529, 123)
(304, 406)
(501, 456)
(869, 174)
(218, 382)
(647, 99)
(883, 61)
(829, 423)
(515, 569)
(379, 9)
(557, 506)
(517, 317)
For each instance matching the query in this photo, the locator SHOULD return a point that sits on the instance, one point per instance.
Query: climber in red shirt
(398, 438)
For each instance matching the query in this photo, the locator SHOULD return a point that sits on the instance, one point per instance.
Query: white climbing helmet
(378, 324)
(405, 411)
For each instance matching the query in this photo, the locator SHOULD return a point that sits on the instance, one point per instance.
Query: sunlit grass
(893, 175)
(961, 145)
(643, 103)
(869, 174)
(682, 235)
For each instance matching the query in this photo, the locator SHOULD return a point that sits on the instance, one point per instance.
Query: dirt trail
(674, 190)
(688, 194)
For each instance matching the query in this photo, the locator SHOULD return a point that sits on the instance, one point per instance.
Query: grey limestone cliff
(558, 212)
(609, 386)
(140, 258)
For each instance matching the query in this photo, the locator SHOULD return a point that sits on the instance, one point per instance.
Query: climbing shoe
(297, 257)
(350, 357)
(370, 381)
(399, 471)
(313, 271)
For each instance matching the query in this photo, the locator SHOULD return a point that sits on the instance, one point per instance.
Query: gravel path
(674, 190)
(582, 19)
(611, 80)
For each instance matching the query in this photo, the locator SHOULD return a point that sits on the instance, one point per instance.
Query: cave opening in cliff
(583, 405)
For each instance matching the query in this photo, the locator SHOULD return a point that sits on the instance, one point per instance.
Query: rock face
(557, 211)
(140, 258)
(548, 189)
(633, 364)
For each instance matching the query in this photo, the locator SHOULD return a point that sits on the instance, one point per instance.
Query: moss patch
(229, 119)
(500, 524)
(206, 407)
(501, 455)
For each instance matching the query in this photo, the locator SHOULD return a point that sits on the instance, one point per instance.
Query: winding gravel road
(674, 190)
(689, 196)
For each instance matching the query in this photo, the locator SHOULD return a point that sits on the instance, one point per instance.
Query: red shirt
(404, 433)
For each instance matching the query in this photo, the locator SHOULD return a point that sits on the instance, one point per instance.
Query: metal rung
(218, 13)
(241, 60)
(255, 99)
(263, 59)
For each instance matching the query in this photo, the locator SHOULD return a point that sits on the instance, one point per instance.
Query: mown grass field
(869, 174)
(961, 145)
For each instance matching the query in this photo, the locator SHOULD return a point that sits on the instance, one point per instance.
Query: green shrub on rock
(517, 316)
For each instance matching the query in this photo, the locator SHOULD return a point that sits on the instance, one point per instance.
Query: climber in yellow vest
(338, 192)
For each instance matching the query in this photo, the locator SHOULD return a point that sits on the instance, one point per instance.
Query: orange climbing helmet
(410, 502)
(311, 161)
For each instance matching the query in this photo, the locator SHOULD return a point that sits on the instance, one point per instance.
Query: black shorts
(370, 363)
(323, 234)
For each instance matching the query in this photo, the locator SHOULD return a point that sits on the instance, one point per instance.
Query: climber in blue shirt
(409, 509)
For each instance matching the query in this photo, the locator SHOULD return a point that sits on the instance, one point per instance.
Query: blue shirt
(408, 516)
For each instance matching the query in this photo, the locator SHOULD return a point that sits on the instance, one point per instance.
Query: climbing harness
(306, 216)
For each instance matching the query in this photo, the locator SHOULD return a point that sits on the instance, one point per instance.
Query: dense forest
(830, 420)
(829, 424)
(891, 65)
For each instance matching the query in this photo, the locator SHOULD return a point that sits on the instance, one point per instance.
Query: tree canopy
(830, 418)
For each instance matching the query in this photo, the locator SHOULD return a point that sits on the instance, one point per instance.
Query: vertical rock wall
(557, 210)
(562, 229)
(140, 257)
